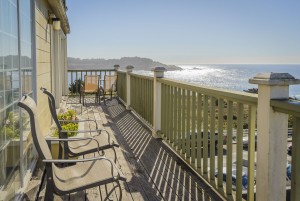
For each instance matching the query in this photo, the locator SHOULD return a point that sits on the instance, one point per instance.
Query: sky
(186, 31)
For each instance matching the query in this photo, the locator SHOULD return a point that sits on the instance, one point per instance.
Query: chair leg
(115, 154)
(60, 148)
(49, 193)
(118, 183)
(83, 99)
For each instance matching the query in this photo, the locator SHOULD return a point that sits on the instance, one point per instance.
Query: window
(16, 68)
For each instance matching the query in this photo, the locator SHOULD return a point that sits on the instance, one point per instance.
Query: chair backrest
(39, 141)
(110, 82)
(91, 82)
(51, 103)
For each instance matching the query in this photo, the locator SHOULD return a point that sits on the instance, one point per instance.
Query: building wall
(43, 62)
(26, 64)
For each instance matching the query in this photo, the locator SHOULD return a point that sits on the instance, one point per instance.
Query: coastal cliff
(138, 63)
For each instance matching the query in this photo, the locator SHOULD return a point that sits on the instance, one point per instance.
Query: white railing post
(129, 69)
(158, 73)
(272, 130)
(116, 67)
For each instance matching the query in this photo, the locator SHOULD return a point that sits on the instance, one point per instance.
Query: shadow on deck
(153, 171)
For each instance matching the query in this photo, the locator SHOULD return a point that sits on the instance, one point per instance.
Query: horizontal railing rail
(292, 107)
(228, 94)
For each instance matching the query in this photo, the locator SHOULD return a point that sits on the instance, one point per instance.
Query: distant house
(33, 35)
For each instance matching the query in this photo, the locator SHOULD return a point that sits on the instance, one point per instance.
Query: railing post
(116, 67)
(129, 69)
(272, 136)
(158, 73)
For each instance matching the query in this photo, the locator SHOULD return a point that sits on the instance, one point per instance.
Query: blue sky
(186, 31)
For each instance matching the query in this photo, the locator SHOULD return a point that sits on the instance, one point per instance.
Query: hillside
(137, 62)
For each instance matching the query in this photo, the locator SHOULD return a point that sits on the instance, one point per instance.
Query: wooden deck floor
(153, 172)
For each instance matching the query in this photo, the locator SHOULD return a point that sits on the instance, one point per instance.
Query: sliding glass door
(16, 66)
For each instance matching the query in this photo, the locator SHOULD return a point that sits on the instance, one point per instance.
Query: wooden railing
(141, 96)
(292, 108)
(75, 77)
(218, 133)
(122, 85)
(205, 126)
(201, 123)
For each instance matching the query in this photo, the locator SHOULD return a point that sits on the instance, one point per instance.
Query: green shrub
(69, 115)
(75, 86)
(68, 126)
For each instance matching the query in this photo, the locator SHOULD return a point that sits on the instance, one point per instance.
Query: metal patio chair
(78, 148)
(84, 174)
(110, 85)
(90, 86)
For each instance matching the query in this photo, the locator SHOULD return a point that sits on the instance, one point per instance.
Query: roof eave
(60, 12)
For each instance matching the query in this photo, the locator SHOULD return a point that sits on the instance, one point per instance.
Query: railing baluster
(239, 152)
(199, 130)
(183, 132)
(220, 141)
(167, 112)
(171, 113)
(229, 148)
(205, 136)
(193, 121)
(211, 139)
(251, 152)
(188, 126)
(148, 101)
(179, 120)
(151, 102)
(163, 93)
(175, 118)
(295, 194)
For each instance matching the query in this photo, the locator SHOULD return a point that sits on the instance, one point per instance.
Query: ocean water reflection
(233, 77)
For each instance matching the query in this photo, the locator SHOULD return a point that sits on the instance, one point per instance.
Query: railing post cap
(159, 69)
(129, 68)
(159, 72)
(272, 79)
(116, 66)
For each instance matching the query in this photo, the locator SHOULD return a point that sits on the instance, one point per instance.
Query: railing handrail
(285, 106)
(142, 76)
(89, 70)
(122, 72)
(242, 97)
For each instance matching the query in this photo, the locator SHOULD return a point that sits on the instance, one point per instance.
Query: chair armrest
(82, 120)
(76, 160)
(83, 131)
(74, 139)
(69, 139)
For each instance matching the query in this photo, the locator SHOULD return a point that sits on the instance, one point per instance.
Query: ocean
(230, 76)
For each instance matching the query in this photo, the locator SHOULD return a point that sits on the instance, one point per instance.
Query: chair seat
(89, 174)
(91, 91)
(89, 146)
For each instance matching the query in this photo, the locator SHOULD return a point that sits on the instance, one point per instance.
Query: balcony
(153, 171)
(181, 141)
